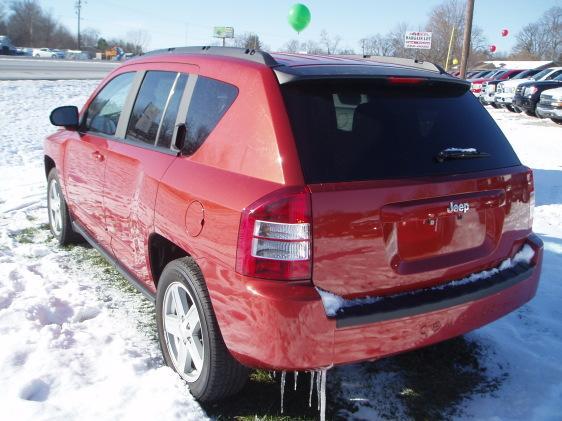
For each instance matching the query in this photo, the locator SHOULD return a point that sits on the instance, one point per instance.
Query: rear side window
(104, 111)
(210, 101)
(367, 131)
(150, 105)
(170, 115)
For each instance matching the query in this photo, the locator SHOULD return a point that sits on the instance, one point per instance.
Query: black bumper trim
(431, 299)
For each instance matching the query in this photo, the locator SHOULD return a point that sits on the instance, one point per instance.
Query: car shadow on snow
(429, 383)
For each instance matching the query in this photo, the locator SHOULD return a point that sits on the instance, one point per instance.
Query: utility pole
(467, 36)
(78, 6)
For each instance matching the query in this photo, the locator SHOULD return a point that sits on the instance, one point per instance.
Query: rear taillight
(274, 241)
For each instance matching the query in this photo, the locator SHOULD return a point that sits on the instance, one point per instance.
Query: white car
(550, 105)
(44, 52)
(506, 90)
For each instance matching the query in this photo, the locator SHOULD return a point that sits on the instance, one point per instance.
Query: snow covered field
(77, 343)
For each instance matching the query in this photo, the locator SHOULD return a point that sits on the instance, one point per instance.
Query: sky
(173, 23)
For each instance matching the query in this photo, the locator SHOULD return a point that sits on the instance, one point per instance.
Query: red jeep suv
(295, 212)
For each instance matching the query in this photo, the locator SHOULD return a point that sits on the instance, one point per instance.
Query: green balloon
(299, 17)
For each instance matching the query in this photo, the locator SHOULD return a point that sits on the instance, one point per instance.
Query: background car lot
(67, 333)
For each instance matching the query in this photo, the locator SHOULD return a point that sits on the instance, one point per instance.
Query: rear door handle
(98, 156)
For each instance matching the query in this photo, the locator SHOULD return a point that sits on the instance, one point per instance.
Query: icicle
(323, 394)
(296, 377)
(318, 375)
(274, 374)
(311, 388)
(283, 373)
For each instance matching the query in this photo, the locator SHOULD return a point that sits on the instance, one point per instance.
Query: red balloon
(492, 48)
(505, 32)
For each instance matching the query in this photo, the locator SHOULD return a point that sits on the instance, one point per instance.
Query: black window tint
(104, 111)
(367, 131)
(554, 75)
(149, 106)
(169, 120)
(211, 99)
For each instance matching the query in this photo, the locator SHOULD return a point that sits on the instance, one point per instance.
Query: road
(52, 69)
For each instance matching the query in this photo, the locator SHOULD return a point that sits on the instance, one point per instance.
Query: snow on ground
(77, 343)
(72, 344)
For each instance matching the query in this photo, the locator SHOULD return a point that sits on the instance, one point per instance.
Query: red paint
(367, 237)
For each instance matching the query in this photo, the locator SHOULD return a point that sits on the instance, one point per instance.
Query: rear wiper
(459, 153)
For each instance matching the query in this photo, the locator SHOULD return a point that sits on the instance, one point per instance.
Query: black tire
(64, 234)
(513, 109)
(221, 375)
(496, 106)
(530, 113)
(557, 120)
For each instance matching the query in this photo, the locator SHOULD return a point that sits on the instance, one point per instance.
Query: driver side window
(104, 111)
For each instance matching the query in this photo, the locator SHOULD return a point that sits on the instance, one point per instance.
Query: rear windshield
(359, 130)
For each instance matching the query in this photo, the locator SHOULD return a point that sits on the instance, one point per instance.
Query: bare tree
(140, 38)
(377, 45)
(29, 25)
(89, 37)
(292, 46)
(551, 22)
(330, 43)
(2, 19)
(541, 39)
(312, 47)
(248, 40)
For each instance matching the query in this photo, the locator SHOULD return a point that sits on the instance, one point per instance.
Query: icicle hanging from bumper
(283, 374)
(312, 373)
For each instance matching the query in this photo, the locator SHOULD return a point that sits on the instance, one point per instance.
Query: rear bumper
(285, 327)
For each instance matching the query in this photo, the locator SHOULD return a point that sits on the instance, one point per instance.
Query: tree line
(27, 24)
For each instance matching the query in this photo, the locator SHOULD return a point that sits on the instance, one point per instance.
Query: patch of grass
(26, 235)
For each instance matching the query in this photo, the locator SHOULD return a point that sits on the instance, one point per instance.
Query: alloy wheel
(182, 331)
(55, 207)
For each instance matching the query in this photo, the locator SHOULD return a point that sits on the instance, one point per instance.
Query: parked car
(59, 53)
(478, 74)
(24, 51)
(6, 46)
(489, 87)
(506, 89)
(528, 94)
(550, 105)
(44, 52)
(295, 212)
(477, 84)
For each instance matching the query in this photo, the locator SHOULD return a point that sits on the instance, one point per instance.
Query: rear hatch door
(412, 183)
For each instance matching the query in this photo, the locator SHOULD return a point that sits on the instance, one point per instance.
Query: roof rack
(256, 56)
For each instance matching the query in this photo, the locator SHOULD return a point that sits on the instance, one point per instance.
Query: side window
(554, 74)
(169, 120)
(150, 105)
(104, 111)
(210, 101)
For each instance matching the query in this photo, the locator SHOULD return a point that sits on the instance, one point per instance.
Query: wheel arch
(49, 164)
(162, 251)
